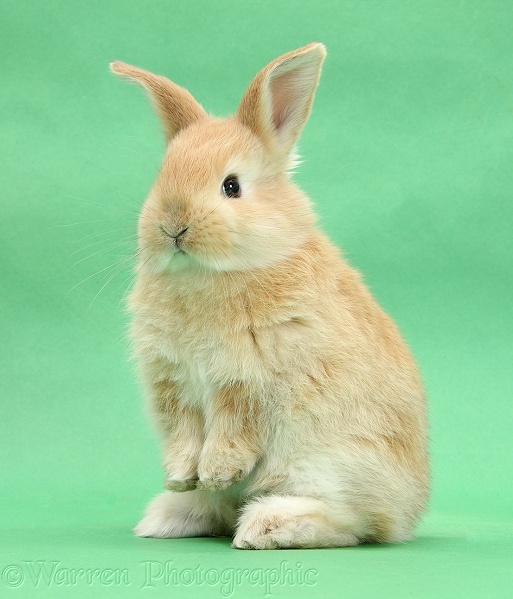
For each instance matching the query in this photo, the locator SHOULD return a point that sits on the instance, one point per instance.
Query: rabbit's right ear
(175, 106)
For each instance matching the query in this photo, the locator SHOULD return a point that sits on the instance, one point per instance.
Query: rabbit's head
(223, 199)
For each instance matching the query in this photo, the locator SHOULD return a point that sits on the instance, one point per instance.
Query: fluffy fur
(291, 411)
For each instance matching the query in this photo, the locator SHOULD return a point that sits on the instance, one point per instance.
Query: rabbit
(292, 413)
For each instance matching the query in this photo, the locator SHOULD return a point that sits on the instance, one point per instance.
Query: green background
(409, 159)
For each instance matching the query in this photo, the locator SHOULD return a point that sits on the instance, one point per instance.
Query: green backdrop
(408, 157)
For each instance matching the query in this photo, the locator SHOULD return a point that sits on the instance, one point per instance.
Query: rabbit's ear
(277, 103)
(175, 106)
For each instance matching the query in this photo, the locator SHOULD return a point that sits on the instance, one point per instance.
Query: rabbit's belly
(197, 388)
(206, 365)
(203, 364)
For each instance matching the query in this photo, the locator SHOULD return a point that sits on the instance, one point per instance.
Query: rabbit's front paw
(175, 483)
(181, 474)
(220, 469)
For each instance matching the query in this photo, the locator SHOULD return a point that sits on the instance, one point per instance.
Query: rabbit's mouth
(179, 252)
(178, 248)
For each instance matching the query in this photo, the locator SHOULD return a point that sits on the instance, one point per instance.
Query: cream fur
(291, 411)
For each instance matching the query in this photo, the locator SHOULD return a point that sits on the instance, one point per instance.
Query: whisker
(93, 235)
(119, 269)
(112, 207)
(90, 202)
(91, 276)
(100, 252)
(127, 149)
(83, 222)
(127, 240)
(131, 275)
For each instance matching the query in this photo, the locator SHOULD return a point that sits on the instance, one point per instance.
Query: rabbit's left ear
(175, 106)
(278, 101)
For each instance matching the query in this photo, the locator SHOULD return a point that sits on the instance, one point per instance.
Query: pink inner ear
(277, 104)
(284, 93)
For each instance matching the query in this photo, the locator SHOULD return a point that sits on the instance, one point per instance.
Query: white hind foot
(294, 522)
(193, 514)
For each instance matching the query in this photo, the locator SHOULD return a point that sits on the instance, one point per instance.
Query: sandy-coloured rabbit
(291, 411)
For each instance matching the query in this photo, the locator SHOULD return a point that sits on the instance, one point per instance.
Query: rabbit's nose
(181, 233)
(178, 238)
(175, 236)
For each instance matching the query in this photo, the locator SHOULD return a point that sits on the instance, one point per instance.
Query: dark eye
(231, 187)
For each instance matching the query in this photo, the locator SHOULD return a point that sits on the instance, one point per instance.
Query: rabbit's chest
(205, 342)
(200, 357)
